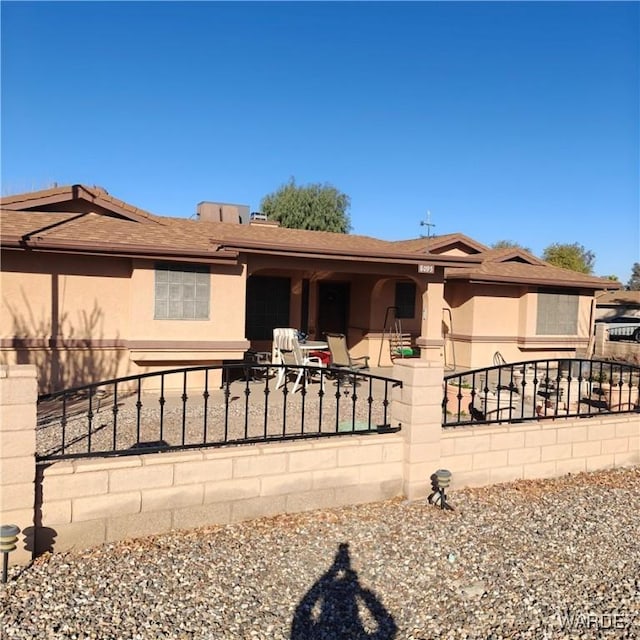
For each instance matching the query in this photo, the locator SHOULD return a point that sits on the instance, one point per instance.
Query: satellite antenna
(427, 223)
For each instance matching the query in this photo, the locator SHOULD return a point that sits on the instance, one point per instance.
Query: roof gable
(511, 254)
(76, 198)
(449, 244)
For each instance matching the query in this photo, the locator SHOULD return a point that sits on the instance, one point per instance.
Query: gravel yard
(531, 559)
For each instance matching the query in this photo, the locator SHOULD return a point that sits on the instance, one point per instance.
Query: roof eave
(114, 250)
(548, 282)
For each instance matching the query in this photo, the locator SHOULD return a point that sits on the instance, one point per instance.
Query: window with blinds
(557, 314)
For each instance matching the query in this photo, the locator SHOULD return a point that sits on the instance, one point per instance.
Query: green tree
(570, 256)
(634, 280)
(320, 207)
(509, 244)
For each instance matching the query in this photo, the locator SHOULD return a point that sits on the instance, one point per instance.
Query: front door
(333, 308)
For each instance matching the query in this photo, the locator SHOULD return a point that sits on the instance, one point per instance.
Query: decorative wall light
(8, 538)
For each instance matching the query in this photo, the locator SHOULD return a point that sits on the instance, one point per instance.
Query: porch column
(18, 400)
(418, 408)
(431, 342)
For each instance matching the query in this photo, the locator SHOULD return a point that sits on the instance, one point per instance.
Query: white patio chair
(288, 348)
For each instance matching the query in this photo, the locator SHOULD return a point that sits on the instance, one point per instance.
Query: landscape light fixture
(8, 538)
(440, 480)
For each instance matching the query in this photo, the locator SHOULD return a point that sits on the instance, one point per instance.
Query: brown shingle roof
(231, 234)
(16, 224)
(94, 233)
(134, 231)
(515, 272)
(504, 265)
(177, 235)
(629, 298)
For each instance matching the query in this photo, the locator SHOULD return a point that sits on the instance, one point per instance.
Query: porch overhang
(350, 255)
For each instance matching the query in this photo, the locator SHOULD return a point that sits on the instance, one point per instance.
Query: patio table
(314, 345)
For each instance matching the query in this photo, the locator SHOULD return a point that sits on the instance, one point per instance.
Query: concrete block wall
(18, 397)
(87, 502)
(483, 455)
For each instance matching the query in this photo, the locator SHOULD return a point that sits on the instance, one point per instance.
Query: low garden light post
(440, 480)
(8, 538)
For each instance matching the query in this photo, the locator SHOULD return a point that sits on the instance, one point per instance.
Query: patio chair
(291, 354)
(342, 362)
(283, 339)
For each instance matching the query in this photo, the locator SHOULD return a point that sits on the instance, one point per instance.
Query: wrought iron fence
(539, 390)
(210, 406)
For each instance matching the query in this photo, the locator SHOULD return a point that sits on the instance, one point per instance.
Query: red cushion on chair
(325, 356)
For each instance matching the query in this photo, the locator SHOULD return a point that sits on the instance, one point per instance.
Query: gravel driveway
(530, 559)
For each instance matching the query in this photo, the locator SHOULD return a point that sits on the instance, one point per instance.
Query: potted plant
(459, 391)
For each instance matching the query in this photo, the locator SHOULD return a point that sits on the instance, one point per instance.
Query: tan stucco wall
(496, 310)
(459, 299)
(486, 319)
(83, 307)
(226, 309)
(99, 311)
(92, 296)
(111, 302)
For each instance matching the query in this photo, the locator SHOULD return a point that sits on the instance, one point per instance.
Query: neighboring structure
(618, 304)
(617, 329)
(94, 288)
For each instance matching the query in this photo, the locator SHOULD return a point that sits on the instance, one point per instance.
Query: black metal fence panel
(540, 390)
(210, 406)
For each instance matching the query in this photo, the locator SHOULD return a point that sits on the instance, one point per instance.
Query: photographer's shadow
(338, 607)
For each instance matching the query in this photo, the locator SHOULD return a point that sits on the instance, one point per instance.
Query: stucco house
(93, 287)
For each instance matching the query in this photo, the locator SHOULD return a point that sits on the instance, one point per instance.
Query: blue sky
(514, 121)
